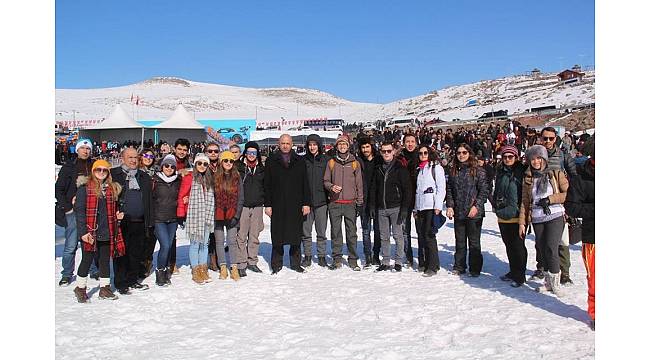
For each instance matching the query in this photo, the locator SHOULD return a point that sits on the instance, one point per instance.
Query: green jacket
(507, 190)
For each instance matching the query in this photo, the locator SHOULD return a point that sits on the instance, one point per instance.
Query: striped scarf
(118, 248)
(200, 213)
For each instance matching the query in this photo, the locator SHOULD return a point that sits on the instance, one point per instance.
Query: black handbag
(575, 230)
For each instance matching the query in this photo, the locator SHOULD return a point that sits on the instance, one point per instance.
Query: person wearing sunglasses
(196, 204)
(559, 159)
(251, 222)
(146, 162)
(165, 202)
(543, 193)
(229, 194)
(467, 192)
(212, 150)
(135, 201)
(390, 197)
(507, 200)
(97, 219)
(429, 197)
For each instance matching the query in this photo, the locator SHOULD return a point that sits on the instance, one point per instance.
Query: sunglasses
(464, 152)
(201, 163)
(169, 166)
(101, 170)
(228, 161)
(508, 157)
(213, 151)
(251, 152)
(386, 151)
(148, 156)
(423, 153)
(546, 138)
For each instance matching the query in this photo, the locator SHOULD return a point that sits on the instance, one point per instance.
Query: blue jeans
(165, 234)
(70, 245)
(366, 224)
(199, 250)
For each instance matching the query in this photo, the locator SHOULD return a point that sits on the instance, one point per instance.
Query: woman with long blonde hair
(229, 194)
(97, 215)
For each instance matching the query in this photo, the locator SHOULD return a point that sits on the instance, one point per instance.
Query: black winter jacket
(65, 189)
(580, 200)
(253, 181)
(465, 191)
(145, 183)
(507, 190)
(316, 171)
(391, 188)
(369, 168)
(165, 199)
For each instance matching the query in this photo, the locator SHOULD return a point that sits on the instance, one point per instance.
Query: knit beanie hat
(227, 155)
(84, 142)
(200, 157)
(509, 149)
(168, 159)
(537, 151)
(101, 163)
(342, 138)
(252, 144)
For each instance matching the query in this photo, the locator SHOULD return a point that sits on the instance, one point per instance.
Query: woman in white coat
(429, 196)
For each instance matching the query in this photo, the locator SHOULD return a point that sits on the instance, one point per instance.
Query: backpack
(331, 164)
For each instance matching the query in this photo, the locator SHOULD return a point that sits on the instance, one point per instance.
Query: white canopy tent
(119, 126)
(181, 124)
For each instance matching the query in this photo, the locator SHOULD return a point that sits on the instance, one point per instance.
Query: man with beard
(65, 190)
(316, 162)
(287, 200)
(136, 199)
(343, 180)
(369, 160)
(409, 159)
(183, 167)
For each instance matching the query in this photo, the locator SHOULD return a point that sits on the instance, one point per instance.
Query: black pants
(408, 248)
(563, 252)
(102, 256)
(547, 238)
(149, 247)
(277, 253)
(127, 268)
(468, 231)
(516, 251)
(427, 243)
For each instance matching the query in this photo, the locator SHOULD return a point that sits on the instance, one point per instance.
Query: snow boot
(336, 264)
(397, 268)
(383, 267)
(105, 292)
(161, 277)
(353, 264)
(555, 284)
(223, 272)
(80, 294)
(375, 259)
(242, 273)
(196, 276)
(204, 272)
(234, 272)
(306, 261)
(565, 280)
(254, 268)
(537, 274)
(322, 262)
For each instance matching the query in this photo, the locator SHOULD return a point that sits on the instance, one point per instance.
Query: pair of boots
(105, 292)
(223, 272)
(200, 274)
(552, 283)
(163, 277)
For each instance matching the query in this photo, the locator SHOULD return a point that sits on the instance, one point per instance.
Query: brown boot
(206, 275)
(105, 293)
(173, 269)
(234, 272)
(223, 272)
(196, 275)
(81, 295)
(213, 262)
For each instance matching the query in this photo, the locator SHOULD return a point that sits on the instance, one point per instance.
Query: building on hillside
(576, 68)
(536, 73)
(570, 76)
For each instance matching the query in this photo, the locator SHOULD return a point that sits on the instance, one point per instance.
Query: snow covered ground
(325, 314)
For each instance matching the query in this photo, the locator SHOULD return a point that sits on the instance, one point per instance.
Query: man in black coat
(251, 220)
(287, 201)
(135, 201)
(316, 162)
(65, 190)
(370, 160)
(409, 159)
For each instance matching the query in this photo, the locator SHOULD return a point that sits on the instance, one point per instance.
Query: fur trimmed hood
(82, 180)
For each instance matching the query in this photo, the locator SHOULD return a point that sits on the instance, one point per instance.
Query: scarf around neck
(130, 178)
(542, 179)
(166, 178)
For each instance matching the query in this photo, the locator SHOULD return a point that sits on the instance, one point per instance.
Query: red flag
(137, 100)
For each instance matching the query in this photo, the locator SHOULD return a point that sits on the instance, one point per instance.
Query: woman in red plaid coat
(97, 216)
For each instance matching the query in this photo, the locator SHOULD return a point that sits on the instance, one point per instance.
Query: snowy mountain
(157, 98)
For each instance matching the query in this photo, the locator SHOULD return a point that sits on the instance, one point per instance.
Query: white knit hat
(84, 142)
(201, 157)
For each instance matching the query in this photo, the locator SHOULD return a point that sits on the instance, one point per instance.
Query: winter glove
(544, 203)
(402, 216)
(181, 223)
(233, 222)
(358, 210)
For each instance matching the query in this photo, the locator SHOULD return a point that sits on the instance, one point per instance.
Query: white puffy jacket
(430, 193)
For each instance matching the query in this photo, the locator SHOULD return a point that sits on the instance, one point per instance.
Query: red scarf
(118, 248)
(226, 208)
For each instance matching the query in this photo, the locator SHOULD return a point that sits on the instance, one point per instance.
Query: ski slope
(324, 314)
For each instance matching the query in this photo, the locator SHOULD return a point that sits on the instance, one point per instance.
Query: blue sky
(374, 51)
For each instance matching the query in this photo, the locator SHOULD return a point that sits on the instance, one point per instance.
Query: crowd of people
(386, 178)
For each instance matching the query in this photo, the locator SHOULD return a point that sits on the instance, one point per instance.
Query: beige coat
(560, 185)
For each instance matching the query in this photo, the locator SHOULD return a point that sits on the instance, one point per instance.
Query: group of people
(219, 199)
